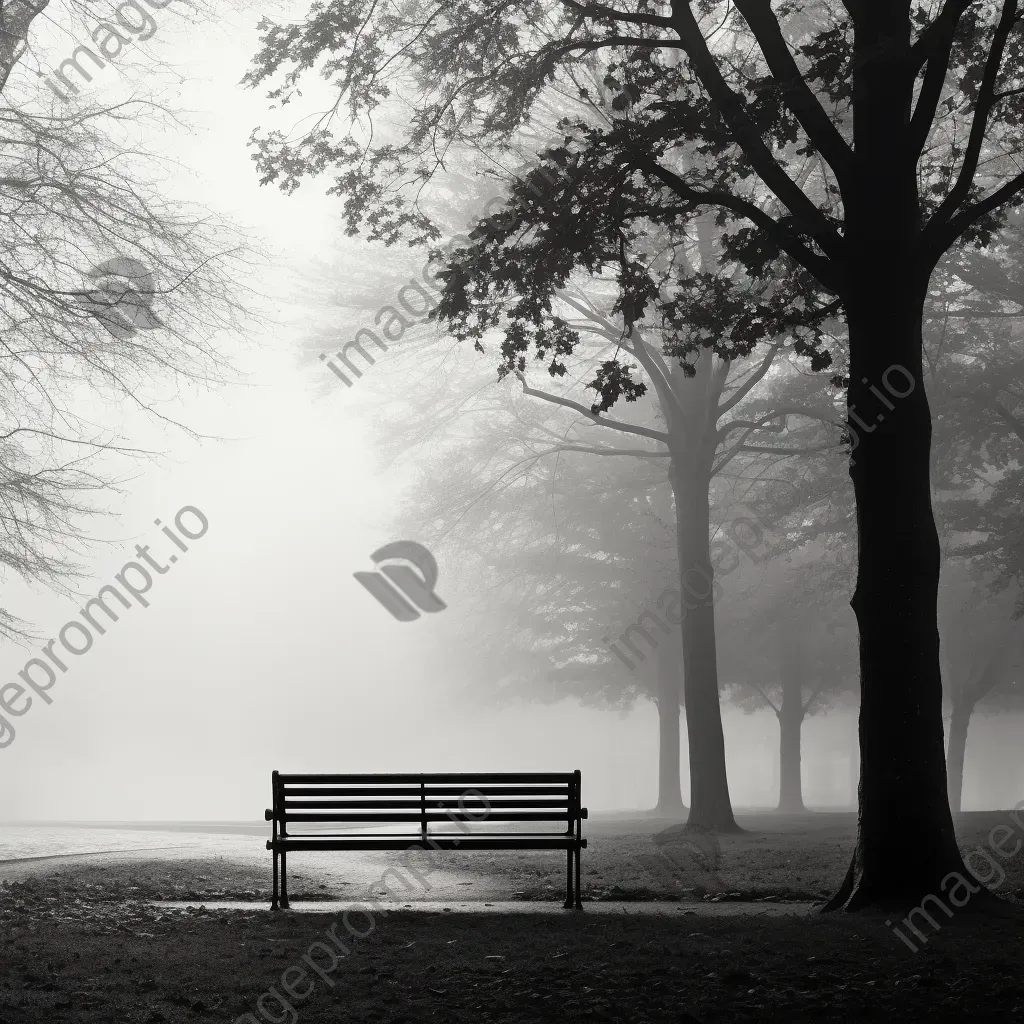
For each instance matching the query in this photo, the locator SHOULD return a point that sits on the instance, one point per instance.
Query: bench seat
(484, 841)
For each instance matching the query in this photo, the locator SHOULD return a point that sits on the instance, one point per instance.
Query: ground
(82, 941)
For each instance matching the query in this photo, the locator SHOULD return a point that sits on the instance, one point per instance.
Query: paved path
(725, 908)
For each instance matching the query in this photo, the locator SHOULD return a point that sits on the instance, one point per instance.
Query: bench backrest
(424, 799)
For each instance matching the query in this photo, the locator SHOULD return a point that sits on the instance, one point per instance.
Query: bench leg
(568, 879)
(284, 880)
(273, 902)
(579, 902)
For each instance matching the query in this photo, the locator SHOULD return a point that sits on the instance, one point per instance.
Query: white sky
(259, 650)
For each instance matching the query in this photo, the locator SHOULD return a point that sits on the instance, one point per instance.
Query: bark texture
(670, 794)
(790, 716)
(906, 846)
(710, 803)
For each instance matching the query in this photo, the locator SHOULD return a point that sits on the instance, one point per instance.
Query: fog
(511, 511)
(260, 651)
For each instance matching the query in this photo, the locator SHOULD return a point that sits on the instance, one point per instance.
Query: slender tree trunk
(906, 846)
(791, 715)
(670, 794)
(974, 689)
(958, 724)
(710, 804)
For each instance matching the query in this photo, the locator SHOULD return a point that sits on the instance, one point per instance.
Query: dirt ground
(83, 943)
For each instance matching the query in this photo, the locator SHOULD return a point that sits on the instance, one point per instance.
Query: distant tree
(983, 656)
(700, 426)
(546, 543)
(792, 649)
(572, 565)
(974, 334)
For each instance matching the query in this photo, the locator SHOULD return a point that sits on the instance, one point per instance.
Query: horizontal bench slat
(510, 777)
(456, 791)
(333, 803)
(402, 817)
(552, 842)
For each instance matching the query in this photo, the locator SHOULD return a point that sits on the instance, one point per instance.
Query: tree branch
(748, 385)
(568, 403)
(764, 696)
(979, 123)
(805, 106)
(785, 410)
(933, 47)
(601, 12)
(638, 453)
(778, 428)
(650, 360)
(810, 700)
(731, 109)
(821, 267)
(939, 237)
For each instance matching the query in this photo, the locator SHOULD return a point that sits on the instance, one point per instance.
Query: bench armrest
(584, 813)
(268, 815)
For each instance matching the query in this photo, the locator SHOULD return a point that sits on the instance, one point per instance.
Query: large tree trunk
(710, 805)
(670, 794)
(906, 846)
(791, 715)
(958, 724)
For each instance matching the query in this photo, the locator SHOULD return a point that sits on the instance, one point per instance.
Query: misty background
(259, 650)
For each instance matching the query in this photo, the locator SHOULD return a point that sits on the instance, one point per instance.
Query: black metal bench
(418, 801)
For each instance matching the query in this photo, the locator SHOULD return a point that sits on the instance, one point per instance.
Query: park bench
(323, 806)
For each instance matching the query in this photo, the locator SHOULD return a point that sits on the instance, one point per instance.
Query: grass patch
(82, 944)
